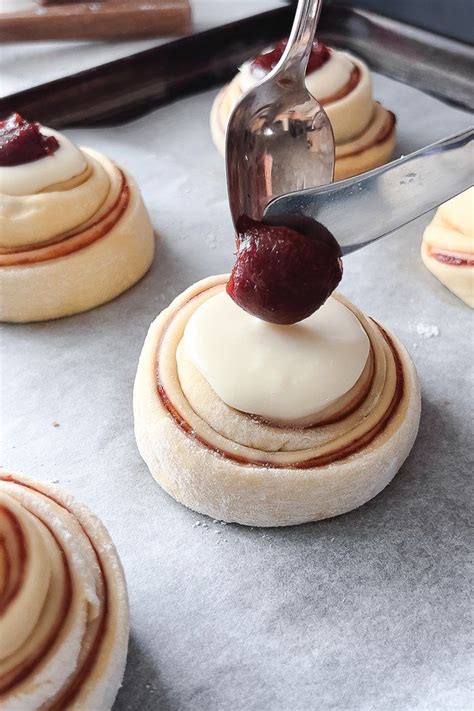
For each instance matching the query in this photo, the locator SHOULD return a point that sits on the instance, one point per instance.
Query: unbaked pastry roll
(292, 426)
(64, 621)
(364, 131)
(75, 232)
(448, 245)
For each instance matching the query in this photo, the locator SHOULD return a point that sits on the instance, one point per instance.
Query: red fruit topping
(22, 142)
(283, 274)
(267, 61)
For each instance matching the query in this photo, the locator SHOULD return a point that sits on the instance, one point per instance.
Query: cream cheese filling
(280, 373)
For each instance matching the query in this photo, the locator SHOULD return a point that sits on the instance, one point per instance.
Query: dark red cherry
(22, 141)
(283, 274)
(320, 54)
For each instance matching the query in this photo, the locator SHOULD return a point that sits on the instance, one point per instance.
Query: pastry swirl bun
(75, 234)
(63, 603)
(364, 131)
(447, 248)
(240, 468)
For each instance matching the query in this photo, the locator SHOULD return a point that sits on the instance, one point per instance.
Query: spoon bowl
(279, 138)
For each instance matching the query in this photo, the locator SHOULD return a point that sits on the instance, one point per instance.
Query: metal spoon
(359, 210)
(279, 139)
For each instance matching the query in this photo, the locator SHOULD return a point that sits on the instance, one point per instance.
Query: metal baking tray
(365, 611)
(127, 88)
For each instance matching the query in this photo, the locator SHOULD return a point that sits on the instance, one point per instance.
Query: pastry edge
(88, 277)
(461, 284)
(258, 496)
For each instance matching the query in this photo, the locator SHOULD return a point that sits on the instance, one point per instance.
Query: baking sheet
(363, 612)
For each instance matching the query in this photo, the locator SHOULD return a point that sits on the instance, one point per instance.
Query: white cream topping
(330, 78)
(250, 76)
(30, 178)
(282, 373)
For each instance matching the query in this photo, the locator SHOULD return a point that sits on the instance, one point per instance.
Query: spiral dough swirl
(63, 602)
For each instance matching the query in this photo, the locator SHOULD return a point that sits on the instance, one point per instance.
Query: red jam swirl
(22, 142)
(267, 61)
(450, 259)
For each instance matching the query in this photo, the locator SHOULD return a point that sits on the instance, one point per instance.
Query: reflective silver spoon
(279, 139)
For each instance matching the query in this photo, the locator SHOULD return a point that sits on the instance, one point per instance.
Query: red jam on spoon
(22, 141)
(267, 61)
(283, 274)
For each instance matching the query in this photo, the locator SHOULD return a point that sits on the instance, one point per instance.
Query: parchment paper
(364, 612)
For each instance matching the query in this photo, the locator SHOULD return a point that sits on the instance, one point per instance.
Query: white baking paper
(365, 612)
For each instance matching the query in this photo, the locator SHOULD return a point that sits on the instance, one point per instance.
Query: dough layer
(234, 467)
(364, 131)
(64, 624)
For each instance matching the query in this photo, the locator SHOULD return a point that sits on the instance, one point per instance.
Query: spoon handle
(361, 209)
(295, 58)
